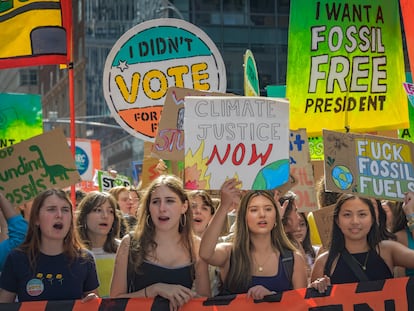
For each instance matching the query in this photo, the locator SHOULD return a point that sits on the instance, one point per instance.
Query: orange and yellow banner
(35, 32)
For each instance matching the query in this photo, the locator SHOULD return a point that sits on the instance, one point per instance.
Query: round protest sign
(147, 60)
(251, 76)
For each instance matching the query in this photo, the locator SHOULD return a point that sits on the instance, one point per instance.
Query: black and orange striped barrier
(388, 295)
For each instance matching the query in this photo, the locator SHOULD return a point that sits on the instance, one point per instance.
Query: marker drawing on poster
(246, 138)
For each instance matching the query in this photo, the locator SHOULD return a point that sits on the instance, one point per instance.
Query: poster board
(251, 76)
(372, 166)
(148, 59)
(107, 180)
(31, 166)
(169, 140)
(246, 138)
(20, 118)
(324, 222)
(346, 66)
(302, 171)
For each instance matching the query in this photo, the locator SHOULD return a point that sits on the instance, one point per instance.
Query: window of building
(28, 77)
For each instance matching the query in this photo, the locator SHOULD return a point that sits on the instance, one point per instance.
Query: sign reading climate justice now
(373, 166)
(246, 138)
(346, 66)
(147, 60)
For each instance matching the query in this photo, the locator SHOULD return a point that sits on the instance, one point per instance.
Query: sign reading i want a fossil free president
(36, 164)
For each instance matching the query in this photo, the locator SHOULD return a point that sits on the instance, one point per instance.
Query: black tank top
(152, 273)
(376, 269)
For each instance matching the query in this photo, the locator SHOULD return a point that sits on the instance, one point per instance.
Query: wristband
(145, 292)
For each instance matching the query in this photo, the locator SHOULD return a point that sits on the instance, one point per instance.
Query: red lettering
(241, 158)
(256, 156)
(239, 155)
(214, 153)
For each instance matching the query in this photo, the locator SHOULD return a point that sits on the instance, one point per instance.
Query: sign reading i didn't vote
(147, 60)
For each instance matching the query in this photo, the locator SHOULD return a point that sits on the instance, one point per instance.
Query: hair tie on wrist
(145, 292)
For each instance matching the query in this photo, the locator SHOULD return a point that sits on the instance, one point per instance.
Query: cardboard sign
(169, 141)
(42, 162)
(251, 76)
(236, 137)
(346, 66)
(324, 221)
(372, 166)
(107, 181)
(147, 60)
(302, 171)
(153, 167)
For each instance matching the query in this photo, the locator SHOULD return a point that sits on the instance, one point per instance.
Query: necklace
(363, 266)
(260, 267)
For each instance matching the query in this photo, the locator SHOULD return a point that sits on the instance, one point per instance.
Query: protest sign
(169, 140)
(324, 220)
(107, 180)
(246, 138)
(251, 76)
(20, 118)
(147, 60)
(302, 171)
(42, 162)
(372, 166)
(346, 66)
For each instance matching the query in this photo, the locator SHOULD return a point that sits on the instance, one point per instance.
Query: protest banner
(147, 60)
(35, 32)
(372, 166)
(36, 164)
(302, 171)
(246, 138)
(387, 295)
(346, 66)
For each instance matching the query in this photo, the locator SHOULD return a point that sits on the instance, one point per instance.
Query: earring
(183, 220)
(147, 220)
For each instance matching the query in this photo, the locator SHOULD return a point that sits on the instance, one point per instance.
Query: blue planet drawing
(272, 176)
(342, 177)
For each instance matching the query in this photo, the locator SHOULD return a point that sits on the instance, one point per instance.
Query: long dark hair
(306, 243)
(92, 200)
(337, 244)
(385, 234)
